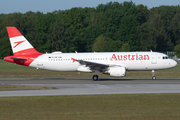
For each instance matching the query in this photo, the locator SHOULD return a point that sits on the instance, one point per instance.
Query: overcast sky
(23, 6)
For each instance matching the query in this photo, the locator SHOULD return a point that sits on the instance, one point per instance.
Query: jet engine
(116, 71)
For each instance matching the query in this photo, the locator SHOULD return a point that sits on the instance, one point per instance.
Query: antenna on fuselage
(151, 50)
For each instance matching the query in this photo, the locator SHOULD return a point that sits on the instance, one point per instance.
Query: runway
(87, 81)
(88, 86)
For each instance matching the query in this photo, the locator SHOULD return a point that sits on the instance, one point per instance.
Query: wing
(92, 65)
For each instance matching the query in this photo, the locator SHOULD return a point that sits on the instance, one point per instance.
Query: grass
(23, 87)
(10, 70)
(92, 107)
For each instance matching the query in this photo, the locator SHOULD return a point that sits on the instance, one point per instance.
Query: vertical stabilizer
(19, 44)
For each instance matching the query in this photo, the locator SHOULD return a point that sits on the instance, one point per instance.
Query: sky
(23, 6)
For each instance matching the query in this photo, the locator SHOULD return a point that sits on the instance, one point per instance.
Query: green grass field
(92, 107)
(10, 70)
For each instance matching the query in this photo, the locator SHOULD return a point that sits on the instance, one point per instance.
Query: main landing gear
(95, 77)
(153, 75)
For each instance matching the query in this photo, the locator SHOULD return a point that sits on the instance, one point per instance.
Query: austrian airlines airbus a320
(113, 63)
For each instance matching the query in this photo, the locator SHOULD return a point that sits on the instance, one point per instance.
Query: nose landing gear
(153, 75)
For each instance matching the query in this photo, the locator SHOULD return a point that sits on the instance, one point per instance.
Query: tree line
(108, 27)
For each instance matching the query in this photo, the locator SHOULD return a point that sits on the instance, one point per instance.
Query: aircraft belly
(60, 66)
(54, 65)
(140, 65)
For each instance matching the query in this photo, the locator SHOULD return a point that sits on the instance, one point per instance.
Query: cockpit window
(166, 57)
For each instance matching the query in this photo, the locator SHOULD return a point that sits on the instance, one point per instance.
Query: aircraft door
(40, 62)
(153, 58)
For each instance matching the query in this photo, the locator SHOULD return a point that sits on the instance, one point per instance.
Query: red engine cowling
(117, 71)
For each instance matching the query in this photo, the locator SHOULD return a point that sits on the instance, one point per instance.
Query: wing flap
(93, 65)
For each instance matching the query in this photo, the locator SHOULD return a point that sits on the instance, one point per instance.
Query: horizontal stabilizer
(17, 58)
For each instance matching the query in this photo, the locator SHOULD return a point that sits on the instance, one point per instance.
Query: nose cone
(173, 63)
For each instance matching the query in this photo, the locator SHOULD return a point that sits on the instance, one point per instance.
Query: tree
(59, 37)
(174, 27)
(100, 45)
(125, 47)
(177, 50)
(146, 35)
(42, 25)
(144, 12)
(90, 36)
(121, 22)
(106, 44)
(75, 21)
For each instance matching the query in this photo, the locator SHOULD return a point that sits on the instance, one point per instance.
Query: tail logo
(17, 43)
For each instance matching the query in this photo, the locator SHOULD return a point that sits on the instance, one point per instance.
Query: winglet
(73, 60)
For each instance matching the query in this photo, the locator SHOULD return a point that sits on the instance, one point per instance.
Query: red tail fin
(19, 44)
(24, 52)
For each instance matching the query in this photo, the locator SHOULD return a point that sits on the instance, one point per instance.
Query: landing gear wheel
(154, 78)
(153, 75)
(95, 77)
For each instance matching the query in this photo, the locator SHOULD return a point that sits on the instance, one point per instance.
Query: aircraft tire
(154, 78)
(95, 77)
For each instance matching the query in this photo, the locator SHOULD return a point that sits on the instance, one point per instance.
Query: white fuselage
(130, 60)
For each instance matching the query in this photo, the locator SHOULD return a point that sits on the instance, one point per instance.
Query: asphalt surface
(88, 86)
(86, 81)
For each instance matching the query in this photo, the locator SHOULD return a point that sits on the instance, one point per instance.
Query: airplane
(112, 63)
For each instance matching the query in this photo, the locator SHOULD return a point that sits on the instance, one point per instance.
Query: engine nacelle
(117, 71)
